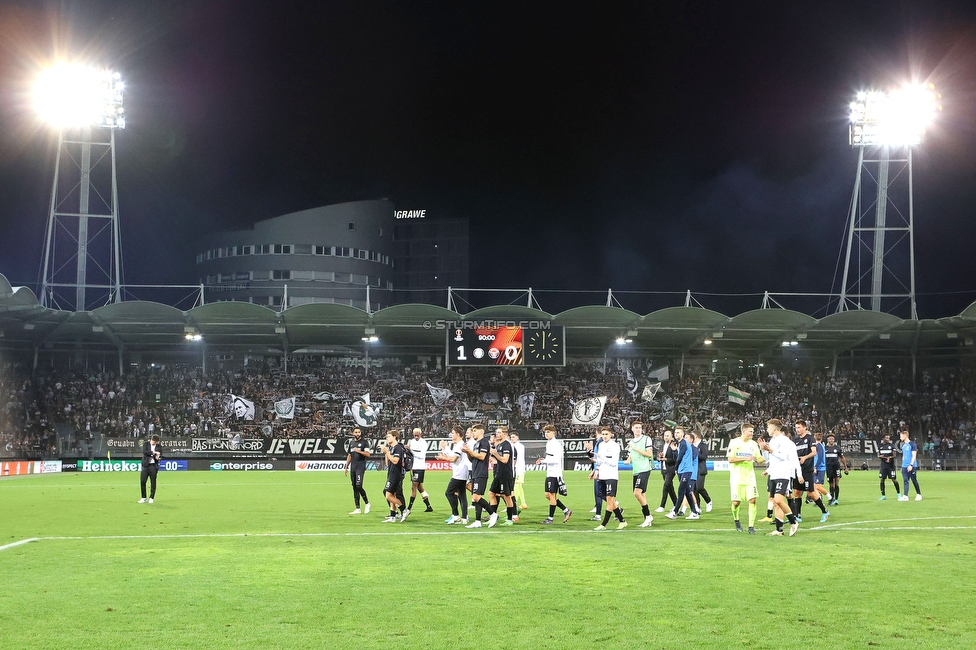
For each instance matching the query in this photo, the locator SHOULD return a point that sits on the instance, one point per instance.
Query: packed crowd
(76, 407)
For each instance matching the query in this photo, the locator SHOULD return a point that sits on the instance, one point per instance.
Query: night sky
(642, 146)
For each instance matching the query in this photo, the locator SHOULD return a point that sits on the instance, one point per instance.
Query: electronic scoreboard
(542, 345)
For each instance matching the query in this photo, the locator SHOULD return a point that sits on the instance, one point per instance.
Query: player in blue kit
(909, 465)
(687, 473)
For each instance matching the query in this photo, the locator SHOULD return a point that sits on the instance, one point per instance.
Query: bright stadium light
(896, 118)
(84, 104)
(890, 124)
(73, 95)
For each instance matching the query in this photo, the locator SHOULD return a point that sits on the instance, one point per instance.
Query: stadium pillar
(203, 357)
(121, 363)
(833, 366)
(681, 370)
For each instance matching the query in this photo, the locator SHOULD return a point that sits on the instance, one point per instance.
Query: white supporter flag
(589, 411)
(240, 407)
(659, 374)
(738, 396)
(526, 404)
(650, 391)
(285, 409)
(631, 382)
(363, 413)
(439, 395)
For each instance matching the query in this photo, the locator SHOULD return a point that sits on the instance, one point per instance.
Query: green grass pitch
(272, 560)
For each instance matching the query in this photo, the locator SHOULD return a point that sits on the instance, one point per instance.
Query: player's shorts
(394, 485)
(832, 472)
(609, 486)
(744, 491)
(418, 475)
(356, 475)
(818, 477)
(478, 485)
(779, 486)
(887, 471)
(552, 484)
(456, 486)
(769, 486)
(520, 478)
(806, 484)
(641, 480)
(501, 485)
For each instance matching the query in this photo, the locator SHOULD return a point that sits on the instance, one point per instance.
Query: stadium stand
(71, 378)
(67, 412)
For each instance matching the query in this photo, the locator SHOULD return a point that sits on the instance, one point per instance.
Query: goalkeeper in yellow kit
(743, 454)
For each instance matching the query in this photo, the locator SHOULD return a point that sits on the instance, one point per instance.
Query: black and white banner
(589, 411)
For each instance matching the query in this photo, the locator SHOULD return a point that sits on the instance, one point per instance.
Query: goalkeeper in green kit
(743, 454)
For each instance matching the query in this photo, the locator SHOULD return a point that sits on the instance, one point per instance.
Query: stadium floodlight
(85, 104)
(890, 124)
(72, 96)
(896, 118)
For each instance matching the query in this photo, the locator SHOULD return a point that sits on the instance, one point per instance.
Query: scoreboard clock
(506, 346)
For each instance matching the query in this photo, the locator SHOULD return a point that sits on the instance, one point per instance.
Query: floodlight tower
(82, 247)
(890, 124)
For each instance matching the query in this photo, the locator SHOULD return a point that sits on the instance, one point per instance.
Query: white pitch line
(854, 525)
(21, 542)
(885, 521)
(376, 534)
(899, 528)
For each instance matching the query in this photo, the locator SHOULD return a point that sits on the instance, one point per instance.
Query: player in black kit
(886, 452)
(700, 491)
(504, 455)
(478, 451)
(356, 461)
(835, 458)
(806, 452)
(668, 458)
(394, 452)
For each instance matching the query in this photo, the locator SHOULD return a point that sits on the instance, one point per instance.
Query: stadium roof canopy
(591, 331)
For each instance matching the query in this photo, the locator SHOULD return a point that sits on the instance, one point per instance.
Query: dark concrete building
(327, 254)
(431, 255)
(338, 254)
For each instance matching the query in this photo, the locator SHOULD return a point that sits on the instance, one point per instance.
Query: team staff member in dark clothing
(806, 451)
(886, 452)
(669, 464)
(356, 461)
(151, 453)
(394, 453)
(700, 490)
